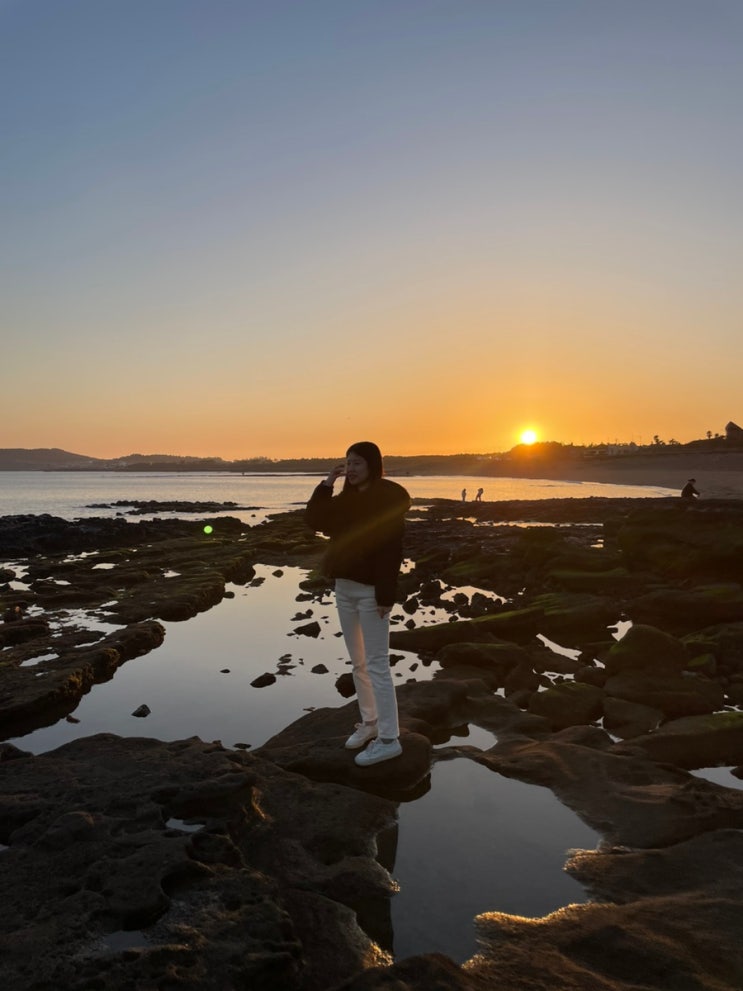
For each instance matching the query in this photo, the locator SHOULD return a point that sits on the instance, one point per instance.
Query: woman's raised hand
(335, 473)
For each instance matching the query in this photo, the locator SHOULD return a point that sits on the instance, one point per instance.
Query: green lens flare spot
(208, 529)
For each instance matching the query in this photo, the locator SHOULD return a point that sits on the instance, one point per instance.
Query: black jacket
(366, 533)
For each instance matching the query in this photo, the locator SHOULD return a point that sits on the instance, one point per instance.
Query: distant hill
(55, 459)
(541, 460)
(45, 459)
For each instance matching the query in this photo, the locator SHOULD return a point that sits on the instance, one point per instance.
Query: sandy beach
(718, 475)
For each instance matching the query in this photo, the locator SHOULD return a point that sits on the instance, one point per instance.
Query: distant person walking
(464, 495)
(365, 525)
(689, 491)
(478, 497)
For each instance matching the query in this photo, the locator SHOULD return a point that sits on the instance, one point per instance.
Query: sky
(247, 229)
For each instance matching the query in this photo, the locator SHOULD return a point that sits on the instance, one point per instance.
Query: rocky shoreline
(130, 862)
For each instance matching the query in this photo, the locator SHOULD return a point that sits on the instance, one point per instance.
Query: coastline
(718, 476)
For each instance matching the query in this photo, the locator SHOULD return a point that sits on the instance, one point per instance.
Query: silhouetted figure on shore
(478, 497)
(689, 491)
(464, 495)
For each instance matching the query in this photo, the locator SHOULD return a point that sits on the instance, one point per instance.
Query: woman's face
(357, 470)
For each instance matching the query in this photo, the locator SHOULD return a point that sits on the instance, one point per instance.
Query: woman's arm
(319, 512)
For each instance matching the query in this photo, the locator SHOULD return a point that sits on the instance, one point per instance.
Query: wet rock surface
(285, 881)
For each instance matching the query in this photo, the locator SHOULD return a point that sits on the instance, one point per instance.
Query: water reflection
(478, 842)
(467, 841)
(719, 776)
(198, 683)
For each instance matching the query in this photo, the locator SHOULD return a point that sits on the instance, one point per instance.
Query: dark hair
(371, 454)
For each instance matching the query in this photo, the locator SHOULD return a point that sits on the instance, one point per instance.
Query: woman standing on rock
(365, 525)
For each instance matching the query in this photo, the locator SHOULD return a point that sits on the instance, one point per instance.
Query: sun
(528, 436)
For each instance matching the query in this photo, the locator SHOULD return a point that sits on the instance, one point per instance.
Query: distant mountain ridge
(43, 458)
(542, 460)
(55, 459)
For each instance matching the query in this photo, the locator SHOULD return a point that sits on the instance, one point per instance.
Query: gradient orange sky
(247, 229)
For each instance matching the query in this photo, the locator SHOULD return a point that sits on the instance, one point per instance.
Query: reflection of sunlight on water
(479, 842)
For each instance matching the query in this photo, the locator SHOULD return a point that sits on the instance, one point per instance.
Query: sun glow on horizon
(528, 436)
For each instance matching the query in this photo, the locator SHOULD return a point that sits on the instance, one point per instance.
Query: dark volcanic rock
(569, 704)
(271, 890)
(262, 894)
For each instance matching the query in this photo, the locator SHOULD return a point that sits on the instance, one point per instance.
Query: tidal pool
(479, 842)
(475, 842)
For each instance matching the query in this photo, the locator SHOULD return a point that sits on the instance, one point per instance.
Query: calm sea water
(71, 495)
(475, 842)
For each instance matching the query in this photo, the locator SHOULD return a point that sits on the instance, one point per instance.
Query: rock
(309, 629)
(684, 610)
(19, 630)
(289, 866)
(676, 544)
(696, 741)
(568, 704)
(319, 669)
(674, 695)
(644, 648)
(263, 680)
(517, 624)
(433, 972)
(575, 615)
(344, 685)
(97, 854)
(142, 711)
(629, 719)
(314, 747)
(499, 658)
(522, 678)
(616, 581)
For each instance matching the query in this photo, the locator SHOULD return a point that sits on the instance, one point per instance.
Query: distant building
(734, 434)
(610, 450)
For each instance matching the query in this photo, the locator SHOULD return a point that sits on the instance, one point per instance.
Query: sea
(472, 841)
(78, 495)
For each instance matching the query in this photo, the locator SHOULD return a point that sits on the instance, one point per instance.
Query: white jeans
(367, 638)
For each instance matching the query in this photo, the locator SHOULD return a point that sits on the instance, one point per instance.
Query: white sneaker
(377, 751)
(363, 733)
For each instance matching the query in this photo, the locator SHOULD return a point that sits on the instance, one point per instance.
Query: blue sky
(241, 228)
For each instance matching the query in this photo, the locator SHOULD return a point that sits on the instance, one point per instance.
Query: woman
(365, 526)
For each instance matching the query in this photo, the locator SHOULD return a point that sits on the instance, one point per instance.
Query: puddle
(719, 776)
(470, 590)
(470, 736)
(198, 683)
(479, 842)
(556, 648)
(33, 661)
(185, 827)
(125, 940)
